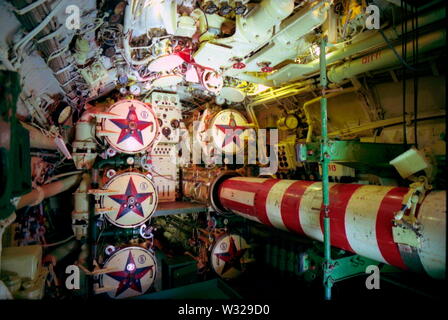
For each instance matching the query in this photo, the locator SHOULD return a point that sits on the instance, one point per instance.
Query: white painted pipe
(36, 196)
(38, 139)
(385, 58)
(368, 41)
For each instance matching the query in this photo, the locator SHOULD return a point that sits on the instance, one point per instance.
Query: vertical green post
(325, 160)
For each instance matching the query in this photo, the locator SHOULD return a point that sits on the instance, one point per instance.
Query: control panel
(164, 170)
(168, 108)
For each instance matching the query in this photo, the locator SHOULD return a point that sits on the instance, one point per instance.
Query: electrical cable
(401, 58)
(206, 20)
(403, 51)
(57, 243)
(415, 46)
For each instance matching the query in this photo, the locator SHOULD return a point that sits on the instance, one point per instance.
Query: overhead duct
(361, 217)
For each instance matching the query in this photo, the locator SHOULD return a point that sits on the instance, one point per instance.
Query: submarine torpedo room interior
(222, 149)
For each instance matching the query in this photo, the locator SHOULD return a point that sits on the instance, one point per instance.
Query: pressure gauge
(135, 90)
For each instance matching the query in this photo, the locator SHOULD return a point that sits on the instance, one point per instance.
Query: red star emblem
(131, 126)
(131, 200)
(232, 132)
(130, 276)
(232, 257)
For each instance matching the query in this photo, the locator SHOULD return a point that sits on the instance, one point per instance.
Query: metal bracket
(406, 228)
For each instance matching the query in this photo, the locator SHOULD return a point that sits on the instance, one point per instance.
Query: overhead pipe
(386, 58)
(276, 92)
(361, 217)
(29, 7)
(37, 195)
(282, 94)
(250, 77)
(368, 41)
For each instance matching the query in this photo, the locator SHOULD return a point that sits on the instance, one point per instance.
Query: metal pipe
(361, 217)
(369, 41)
(283, 94)
(252, 31)
(276, 92)
(385, 58)
(62, 251)
(325, 160)
(36, 196)
(29, 7)
(291, 90)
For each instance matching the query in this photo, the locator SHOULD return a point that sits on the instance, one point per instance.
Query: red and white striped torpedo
(361, 217)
